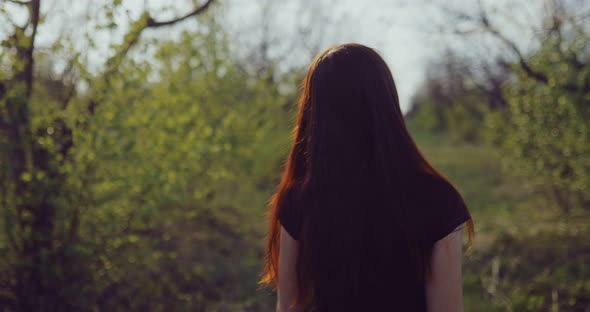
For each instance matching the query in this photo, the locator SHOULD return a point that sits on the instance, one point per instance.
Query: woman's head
(349, 100)
(350, 165)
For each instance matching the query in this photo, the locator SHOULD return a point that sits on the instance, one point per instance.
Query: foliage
(140, 184)
(450, 101)
(537, 113)
(143, 189)
(526, 255)
(545, 131)
(542, 272)
(177, 174)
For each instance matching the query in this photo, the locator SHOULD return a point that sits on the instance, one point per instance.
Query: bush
(538, 272)
(545, 131)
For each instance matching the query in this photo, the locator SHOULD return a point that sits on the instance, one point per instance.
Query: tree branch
(131, 39)
(30, 60)
(146, 21)
(521, 59)
(153, 23)
(484, 21)
(19, 2)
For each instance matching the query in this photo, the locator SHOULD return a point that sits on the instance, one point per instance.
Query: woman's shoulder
(443, 207)
(437, 188)
(289, 211)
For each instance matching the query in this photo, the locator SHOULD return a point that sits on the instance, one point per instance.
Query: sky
(398, 30)
(407, 33)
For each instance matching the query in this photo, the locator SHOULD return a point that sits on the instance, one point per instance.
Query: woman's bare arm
(287, 289)
(444, 290)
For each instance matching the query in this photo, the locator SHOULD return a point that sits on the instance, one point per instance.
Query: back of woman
(360, 209)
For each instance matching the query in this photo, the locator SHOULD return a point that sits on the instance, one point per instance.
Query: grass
(542, 260)
(496, 199)
(526, 255)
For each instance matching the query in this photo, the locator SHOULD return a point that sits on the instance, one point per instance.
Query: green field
(540, 255)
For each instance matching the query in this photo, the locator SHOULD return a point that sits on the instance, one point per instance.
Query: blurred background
(140, 141)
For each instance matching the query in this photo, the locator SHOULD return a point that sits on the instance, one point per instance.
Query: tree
(451, 100)
(41, 202)
(543, 124)
(545, 127)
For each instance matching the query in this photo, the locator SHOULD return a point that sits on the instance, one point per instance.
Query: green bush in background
(141, 184)
(545, 129)
(517, 145)
(146, 189)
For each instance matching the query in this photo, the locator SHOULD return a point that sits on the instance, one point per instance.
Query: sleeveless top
(437, 210)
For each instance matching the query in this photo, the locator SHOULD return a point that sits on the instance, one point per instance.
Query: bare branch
(131, 39)
(14, 24)
(19, 2)
(521, 59)
(522, 62)
(69, 83)
(28, 54)
(486, 24)
(153, 23)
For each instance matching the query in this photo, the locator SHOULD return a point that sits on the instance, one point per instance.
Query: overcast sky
(405, 32)
(399, 30)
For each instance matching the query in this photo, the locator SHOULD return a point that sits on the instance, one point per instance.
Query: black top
(438, 209)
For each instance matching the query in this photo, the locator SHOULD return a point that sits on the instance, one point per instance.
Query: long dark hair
(350, 165)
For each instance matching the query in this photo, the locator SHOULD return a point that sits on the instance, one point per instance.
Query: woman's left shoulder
(442, 190)
(447, 209)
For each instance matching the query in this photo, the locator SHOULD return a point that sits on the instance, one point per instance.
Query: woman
(361, 221)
